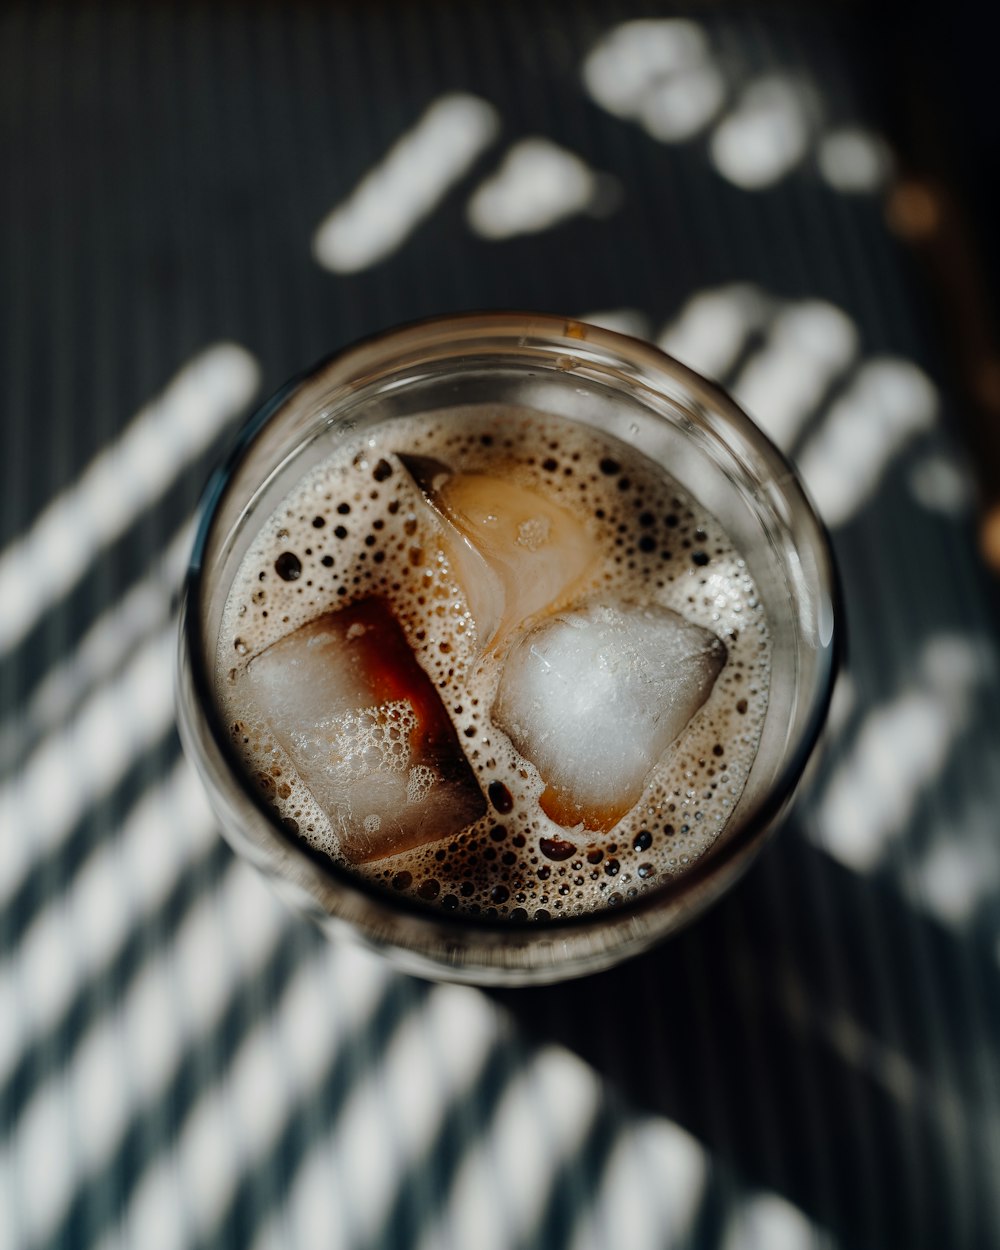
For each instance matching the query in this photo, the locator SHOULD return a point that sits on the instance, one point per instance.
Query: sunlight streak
(121, 483)
(768, 1222)
(330, 999)
(955, 877)
(84, 929)
(888, 403)
(810, 344)
(712, 330)
(898, 752)
(553, 1084)
(960, 872)
(393, 199)
(765, 135)
(179, 998)
(84, 760)
(940, 484)
(854, 161)
(657, 72)
(649, 1192)
(537, 186)
(143, 610)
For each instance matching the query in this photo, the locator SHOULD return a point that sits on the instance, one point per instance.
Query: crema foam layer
(357, 526)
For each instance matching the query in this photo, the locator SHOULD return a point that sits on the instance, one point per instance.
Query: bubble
(556, 848)
(500, 797)
(288, 566)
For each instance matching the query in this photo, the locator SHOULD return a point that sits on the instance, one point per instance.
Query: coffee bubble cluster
(358, 526)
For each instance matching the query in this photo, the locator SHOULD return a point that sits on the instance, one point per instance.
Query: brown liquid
(356, 530)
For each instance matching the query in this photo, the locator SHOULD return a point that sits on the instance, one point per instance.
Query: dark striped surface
(182, 1063)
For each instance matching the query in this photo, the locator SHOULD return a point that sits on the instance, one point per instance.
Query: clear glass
(595, 377)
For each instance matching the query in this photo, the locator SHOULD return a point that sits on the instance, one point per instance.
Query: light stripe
(237, 1121)
(40, 1160)
(682, 105)
(766, 1220)
(888, 404)
(649, 1191)
(659, 73)
(121, 483)
(843, 705)
(179, 998)
(766, 134)
(538, 185)
(76, 766)
(399, 193)
(634, 59)
(11, 1233)
(433, 1063)
(854, 161)
(512, 1157)
(117, 631)
(157, 1217)
(899, 751)
(960, 871)
(107, 901)
(712, 330)
(942, 484)
(810, 344)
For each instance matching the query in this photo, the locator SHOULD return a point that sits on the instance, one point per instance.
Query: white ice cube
(593, 699)
(515, 552)
(367, 732)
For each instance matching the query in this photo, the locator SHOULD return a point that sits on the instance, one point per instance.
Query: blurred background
(200, 200)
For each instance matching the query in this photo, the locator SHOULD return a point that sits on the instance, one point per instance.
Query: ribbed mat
(184, 1064)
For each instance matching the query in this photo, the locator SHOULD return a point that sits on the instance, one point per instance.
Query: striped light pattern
(183, 1063)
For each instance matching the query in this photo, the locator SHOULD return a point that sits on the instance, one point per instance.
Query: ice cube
(515, 553)
(594, 697)
(367, 732)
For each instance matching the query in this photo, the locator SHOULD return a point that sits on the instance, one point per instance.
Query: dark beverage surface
(584, 629)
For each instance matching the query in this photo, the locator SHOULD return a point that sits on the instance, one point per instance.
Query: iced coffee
(506, 641)
(498, 662)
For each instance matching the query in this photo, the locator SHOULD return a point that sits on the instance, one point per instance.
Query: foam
(358, 525)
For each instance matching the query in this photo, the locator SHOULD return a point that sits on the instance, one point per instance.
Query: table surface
(198, 202)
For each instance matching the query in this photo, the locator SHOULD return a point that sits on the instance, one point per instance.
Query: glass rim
(632, 361)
